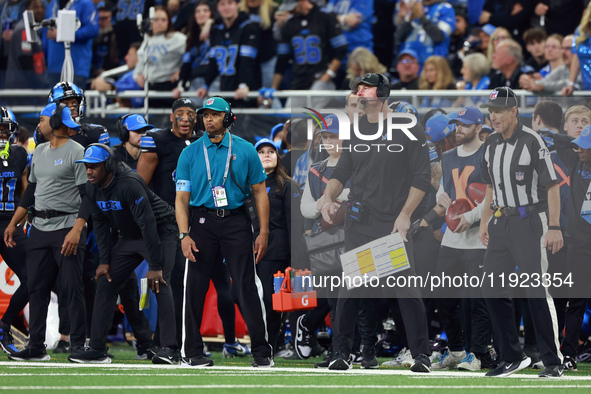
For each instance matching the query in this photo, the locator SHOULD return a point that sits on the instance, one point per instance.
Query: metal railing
(98, 102)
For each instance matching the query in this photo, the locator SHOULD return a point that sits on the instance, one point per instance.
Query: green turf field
(126, 374)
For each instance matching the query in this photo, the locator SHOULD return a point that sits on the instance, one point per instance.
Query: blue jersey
(362, 35)
(444, 17)
(191, 171)
(81, 49)
(583, 51)
(460, 172)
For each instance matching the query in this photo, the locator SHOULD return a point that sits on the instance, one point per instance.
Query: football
(456, 208)
(338, 219)
(477, 192)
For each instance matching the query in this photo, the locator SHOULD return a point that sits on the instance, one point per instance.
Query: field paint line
(284, 386)
(258, 371)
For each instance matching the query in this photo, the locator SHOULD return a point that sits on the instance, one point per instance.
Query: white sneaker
(397, 361)
(470, 363)
(434, 356)
(449, 360)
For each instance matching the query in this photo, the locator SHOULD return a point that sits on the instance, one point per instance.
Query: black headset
(111, 162)
(122, 130)
(383, 88)
(55, 121)
(229, 117)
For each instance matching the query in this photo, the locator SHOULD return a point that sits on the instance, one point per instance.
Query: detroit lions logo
(58, 162)
(110, 205)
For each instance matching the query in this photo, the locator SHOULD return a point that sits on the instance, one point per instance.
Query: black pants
(44, 262)
(125, 257)
(409, 299)
(130, 299)
(579, 264)
(15, 258)
(518, 242)
(458, 262)
(233, 236)
(265, 271)
(177, 279)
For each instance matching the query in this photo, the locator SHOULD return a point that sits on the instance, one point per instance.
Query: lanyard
(227, 162)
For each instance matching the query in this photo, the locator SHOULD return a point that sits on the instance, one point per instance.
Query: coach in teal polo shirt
(215, 174)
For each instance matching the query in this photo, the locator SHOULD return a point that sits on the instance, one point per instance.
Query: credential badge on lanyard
(220, 199)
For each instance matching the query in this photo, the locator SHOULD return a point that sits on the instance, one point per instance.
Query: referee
(521, 184)
(214, 176)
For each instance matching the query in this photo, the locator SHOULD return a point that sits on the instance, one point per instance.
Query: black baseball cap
(502, 97)
(373, 79)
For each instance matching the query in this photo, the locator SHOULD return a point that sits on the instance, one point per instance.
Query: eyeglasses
(407, 61)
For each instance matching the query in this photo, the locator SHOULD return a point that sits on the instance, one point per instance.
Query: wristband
(554, 228)
(570, 83)
(331, 73)
(431, 216)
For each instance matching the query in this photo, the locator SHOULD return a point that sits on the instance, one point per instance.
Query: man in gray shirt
(57, 236)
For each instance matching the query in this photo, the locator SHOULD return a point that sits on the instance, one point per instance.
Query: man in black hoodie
(122, 202)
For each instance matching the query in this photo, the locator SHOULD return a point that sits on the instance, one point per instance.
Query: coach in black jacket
(122, 202)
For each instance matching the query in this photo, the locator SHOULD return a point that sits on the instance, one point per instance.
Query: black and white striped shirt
(519, 168)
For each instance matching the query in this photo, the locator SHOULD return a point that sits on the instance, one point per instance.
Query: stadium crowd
(475, 191)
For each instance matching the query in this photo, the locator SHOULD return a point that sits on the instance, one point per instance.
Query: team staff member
(521, 184)
(461, 251)
(213, 179)
(281, 190)
(161, 149)
(130, 128)
(72, 96)
(387, 199)
(122, 202)
(578, 228)
(13, 178)
(57, 237)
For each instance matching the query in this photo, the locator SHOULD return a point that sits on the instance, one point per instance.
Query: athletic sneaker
(403, 357)
(90, 356)
(569, 364)
(470, 363)
(303, 339)
(421, 364)
(167, 355)
(263, 362)
(369, 360)
(6, 340)
(197, 361)
(62, 347)
(356, 358)
(449, 359)
(584, 353)
(145, 351)
(340, 362)
(30, 353)
(552, 371)
(236, 350)
(327, 359)
(507, 368)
